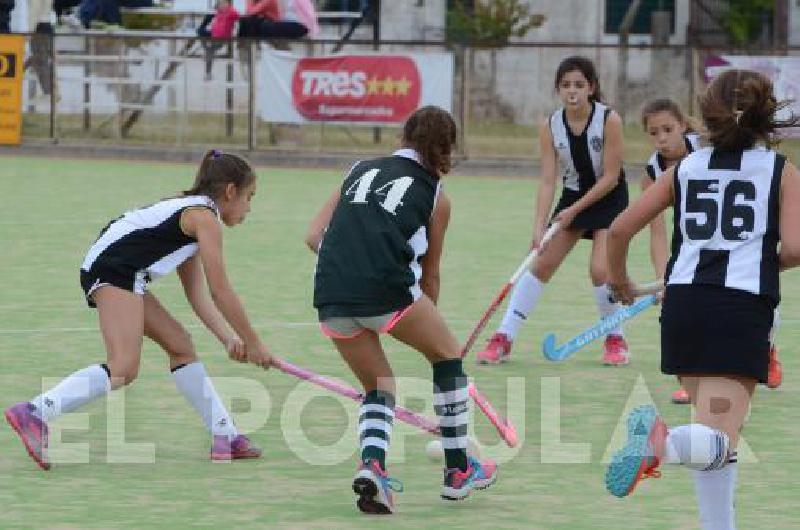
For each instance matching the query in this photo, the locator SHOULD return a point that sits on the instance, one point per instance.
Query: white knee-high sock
(696, 446)
(715, 497)
(195, 385)
(524, 297)
(72, 393)
(606, 306)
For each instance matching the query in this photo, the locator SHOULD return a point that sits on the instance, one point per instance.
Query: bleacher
(110, 72)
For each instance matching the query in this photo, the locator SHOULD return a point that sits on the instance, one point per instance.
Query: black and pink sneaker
(240, 447)
(31, 430)
(374, 488)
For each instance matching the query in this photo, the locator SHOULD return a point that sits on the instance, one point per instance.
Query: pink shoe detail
(374, 488)
(479, 475)
(681, 397)
(615, 351)
(497, 351)
(775, 373)
(239, 448)
(31, 430)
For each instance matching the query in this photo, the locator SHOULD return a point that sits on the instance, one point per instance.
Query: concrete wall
(413, 19)
(794, 22)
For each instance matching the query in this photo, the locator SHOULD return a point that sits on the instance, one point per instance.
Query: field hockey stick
(403, 414)
(600, 329)
(507, 431)
(526, 265)
(504, 427)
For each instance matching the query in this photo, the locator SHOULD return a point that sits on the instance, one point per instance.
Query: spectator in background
(105, 14)
(6, 7)
(279, 19)
(222, 23)
(41, 57)
(61, 7)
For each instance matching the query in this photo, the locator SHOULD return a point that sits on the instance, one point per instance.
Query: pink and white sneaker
(497, 351)
(615, 351)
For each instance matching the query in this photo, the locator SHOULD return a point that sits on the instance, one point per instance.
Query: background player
(584, 138)
(673, 135)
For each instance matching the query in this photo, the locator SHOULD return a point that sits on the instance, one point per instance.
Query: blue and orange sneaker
(459, 484)
(240, 447)
(374, 488)
(641, 455)
(31, 430)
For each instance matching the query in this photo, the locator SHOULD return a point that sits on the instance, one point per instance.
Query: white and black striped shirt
(580, 156)
(726, 220)
(148, 240)
(657, 165)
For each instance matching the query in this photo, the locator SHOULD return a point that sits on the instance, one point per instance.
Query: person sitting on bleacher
(63, 8)
(105, 14)
(279, 19)
(6, 6)
(222, 23)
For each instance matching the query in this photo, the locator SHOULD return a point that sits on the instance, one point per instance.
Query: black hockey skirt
(713, 330)
(598, 216)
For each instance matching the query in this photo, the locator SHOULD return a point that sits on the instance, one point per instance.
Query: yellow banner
(12, 57)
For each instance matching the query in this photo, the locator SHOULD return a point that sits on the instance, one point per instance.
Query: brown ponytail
(739, 109)
(431, 132)
(219, 169)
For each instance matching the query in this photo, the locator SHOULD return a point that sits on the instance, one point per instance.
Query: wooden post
(53, 87)
(251, 99)
(87, 87)
(229, 99)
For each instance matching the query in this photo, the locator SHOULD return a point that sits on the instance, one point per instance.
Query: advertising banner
(365, 89)
(12, 56)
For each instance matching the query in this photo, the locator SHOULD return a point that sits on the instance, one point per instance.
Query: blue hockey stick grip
(601, 329)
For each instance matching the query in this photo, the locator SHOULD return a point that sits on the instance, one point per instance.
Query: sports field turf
(54, 208)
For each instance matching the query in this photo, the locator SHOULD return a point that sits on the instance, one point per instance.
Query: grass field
(54, 208)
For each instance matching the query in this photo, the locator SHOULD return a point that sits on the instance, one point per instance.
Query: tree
(742, 20)
(489, 23)
(745, 19)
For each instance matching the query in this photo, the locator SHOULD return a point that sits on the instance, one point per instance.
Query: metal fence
(162, 91)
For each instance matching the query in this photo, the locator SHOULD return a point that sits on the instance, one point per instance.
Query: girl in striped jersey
(584, 139)
(379, 239)
(737, 206)
(673, 135)
(674, 138)
(183, 233)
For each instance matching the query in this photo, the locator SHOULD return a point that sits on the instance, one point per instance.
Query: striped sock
(697, 446)
(375, 425)
(450, 400)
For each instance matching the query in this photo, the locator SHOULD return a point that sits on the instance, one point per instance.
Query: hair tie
(216, 154)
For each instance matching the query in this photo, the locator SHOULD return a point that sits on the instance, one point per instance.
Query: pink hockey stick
(342, 389)
(526, 264)
(504, 427)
